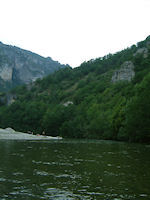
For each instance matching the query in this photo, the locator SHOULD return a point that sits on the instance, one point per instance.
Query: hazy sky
(72, 31)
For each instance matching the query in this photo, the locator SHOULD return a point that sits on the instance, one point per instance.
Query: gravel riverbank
(10, 134)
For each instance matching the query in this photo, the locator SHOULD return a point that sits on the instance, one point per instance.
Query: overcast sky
(72, 31)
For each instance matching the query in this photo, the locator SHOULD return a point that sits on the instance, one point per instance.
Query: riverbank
(10, 134)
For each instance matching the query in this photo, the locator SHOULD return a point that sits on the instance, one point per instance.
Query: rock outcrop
(143, 51)
(148, 44)
(18, 66)
(6, 72)
(68, 103)
(125, 73)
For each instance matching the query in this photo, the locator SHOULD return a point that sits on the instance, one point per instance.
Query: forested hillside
(105, 98)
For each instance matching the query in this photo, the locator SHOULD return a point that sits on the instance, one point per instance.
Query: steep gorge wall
(20, 66)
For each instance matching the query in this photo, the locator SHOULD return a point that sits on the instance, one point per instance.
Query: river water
(74, 169)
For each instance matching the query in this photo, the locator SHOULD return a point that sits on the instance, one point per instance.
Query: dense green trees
(23, 116)
(138, 113)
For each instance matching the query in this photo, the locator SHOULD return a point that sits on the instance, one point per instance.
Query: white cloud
(72, 31)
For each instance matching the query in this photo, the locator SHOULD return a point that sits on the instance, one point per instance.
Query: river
(74, 169)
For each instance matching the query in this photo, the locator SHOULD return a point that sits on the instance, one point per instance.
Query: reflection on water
(74, 169)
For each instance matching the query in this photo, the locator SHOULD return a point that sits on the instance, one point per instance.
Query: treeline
(98, 108)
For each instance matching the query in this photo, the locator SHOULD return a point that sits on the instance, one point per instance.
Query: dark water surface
(74, 169)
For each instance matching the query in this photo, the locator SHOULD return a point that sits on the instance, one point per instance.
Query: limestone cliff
(18, 66)
(143, 51)
(125, 73)
(6, 72)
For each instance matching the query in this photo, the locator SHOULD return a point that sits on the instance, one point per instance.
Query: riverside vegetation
(104, 98)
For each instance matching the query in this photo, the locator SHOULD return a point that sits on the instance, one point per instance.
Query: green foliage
(138, 113)
(23, 116)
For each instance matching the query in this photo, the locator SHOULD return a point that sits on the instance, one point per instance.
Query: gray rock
(68, 103)
(125, 73)
(143, 51)
(10, 130)
(18, 66)
(6, 72)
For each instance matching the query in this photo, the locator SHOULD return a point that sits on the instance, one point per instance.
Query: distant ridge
(19, 66)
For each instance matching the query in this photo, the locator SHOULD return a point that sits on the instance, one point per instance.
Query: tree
(138, 113)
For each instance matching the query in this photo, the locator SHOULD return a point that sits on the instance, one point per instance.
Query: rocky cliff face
(125, 73)
(127, 69)
(143, 51)
(18, 66)
(6, 72)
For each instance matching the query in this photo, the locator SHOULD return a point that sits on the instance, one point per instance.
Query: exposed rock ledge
(10, 134)
(125, 73)
(143, 51)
